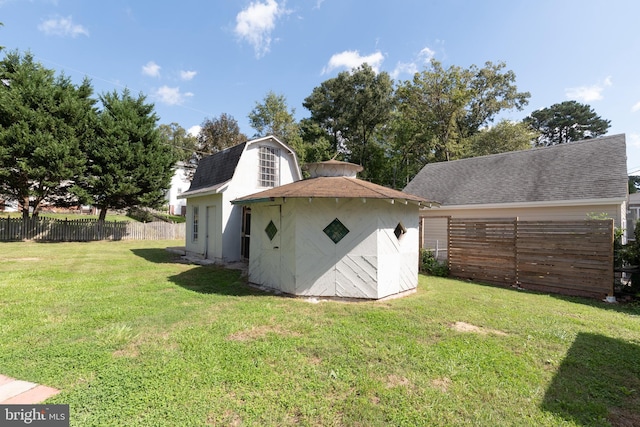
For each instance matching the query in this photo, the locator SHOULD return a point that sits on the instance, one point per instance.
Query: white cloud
(350, 59)
(187, 75)
(194, 130)
(171, 95)
(60, 26)
(423, 58)
(636, 107)
(255, 24)
(151, 69)
(589, 93)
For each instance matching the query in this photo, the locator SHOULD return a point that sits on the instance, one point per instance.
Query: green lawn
(132, 337)
(71, 216)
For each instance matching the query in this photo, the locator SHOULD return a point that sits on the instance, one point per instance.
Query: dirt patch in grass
(21, 259)
(258, 332)
(467, 327)
(441, 384)
(619, 417)
(397, 381)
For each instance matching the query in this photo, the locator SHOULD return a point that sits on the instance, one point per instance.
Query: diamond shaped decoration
(271, 230)
(399, 231)
(336, 230)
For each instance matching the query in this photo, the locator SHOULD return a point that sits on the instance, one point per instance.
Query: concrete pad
(5, 379)
(14, 388)
(35, 395)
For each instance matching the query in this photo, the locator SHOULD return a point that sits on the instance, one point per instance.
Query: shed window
(271, 230)
(195, 224)
(269, 166)
(399, 231)
(336, 230)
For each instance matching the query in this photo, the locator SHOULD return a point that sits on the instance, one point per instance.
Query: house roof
(215, 170)
(332, 187)
(582, 170)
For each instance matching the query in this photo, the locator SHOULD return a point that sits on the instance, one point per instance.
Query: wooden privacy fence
(565, 257)
(84, 230)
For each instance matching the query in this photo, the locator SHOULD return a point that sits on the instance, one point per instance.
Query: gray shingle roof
(217, 168)
(589, 169)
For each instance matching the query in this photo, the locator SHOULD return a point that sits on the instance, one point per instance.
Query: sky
(197, 59)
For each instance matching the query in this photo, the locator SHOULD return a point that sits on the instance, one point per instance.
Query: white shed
(334, 235)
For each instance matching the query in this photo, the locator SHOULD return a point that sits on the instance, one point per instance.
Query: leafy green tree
(634, 183)
(128, 163)
(352, 109)
(445, 107)
(565, 122)
(43, 121)
(184, 145)
(503, 137)
(217, 134)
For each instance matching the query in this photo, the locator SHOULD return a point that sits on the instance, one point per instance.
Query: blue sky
(196, 59)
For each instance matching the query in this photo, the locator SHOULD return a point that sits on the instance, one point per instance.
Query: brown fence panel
(483, 250)
(565, 257)
(85, 230)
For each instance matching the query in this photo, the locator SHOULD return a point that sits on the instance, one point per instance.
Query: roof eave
(552, 203)
(207, 191)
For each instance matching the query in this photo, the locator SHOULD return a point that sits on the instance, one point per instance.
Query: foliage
(43, 122)
(430, 265)
(505, 136)
(184, 145)
(351, 109)
(217, 134)
(133, 337)
(445, 107)
(565, 122)
(634, 183)
(128, 163)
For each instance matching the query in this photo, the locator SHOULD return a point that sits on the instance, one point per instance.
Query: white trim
(544, 204)
(207, 191)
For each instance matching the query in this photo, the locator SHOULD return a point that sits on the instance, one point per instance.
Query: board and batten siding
(369, 262)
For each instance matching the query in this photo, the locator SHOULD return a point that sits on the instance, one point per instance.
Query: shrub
(430, 265)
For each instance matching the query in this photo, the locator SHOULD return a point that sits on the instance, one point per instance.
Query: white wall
(199, 247)
(179, 184)
(369, 262)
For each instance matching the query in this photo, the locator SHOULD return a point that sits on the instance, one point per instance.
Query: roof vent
(333, 168)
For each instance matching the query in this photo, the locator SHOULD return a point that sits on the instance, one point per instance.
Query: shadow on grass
(209, 279)
(597, 383)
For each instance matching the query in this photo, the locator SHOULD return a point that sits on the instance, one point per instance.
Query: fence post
(516, 220)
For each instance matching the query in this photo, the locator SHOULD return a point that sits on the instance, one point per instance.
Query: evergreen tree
(43, 121)
(128, 163)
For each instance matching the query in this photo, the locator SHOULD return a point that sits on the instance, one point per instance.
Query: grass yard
(133, 338)
(71, 216)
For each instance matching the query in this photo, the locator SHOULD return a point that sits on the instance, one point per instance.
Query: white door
(211, 242)
(271, 252)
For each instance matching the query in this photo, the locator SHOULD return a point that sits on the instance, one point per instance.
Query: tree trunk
(25, 208)
(103, 213)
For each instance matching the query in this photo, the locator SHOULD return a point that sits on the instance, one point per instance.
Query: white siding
(369, 262)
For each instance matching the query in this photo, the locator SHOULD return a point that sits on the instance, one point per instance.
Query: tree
(272, 117)
(565, 122)
(43, 121)
(219, 133)
(634, 183)
(503, 137)
(353, 108)
(445, 107)
(185, 147)
(128, 163)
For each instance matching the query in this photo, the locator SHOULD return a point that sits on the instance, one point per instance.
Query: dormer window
(268, 166)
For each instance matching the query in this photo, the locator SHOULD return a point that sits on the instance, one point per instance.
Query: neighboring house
(333, 235)
(179, 184)
(633, 214)
(215, 227)
(9, 205)
(561, 182)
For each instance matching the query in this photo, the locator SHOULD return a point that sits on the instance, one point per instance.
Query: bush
(430, 265)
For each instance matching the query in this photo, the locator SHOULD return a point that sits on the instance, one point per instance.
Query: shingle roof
(216, 169)
(589, 169)
(332, 187)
